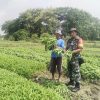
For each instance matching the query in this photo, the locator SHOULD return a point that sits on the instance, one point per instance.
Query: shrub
(20, 35)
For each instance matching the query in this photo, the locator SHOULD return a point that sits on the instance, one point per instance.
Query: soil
(88, 91)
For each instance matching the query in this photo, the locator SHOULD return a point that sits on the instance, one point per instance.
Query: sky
(10, 9)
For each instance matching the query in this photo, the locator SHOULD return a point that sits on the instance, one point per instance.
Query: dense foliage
(38, 21)
(49, 43)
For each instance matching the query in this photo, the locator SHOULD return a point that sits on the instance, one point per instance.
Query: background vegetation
(38, 21)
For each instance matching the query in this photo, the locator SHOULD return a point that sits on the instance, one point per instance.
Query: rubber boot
(71, 82)
(77, 87)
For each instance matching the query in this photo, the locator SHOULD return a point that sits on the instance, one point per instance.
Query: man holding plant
(56, 55)
(75, 45)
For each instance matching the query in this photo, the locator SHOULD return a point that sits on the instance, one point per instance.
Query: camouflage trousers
(74, 70)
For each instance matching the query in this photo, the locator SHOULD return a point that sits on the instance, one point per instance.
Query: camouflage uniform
(73, 64)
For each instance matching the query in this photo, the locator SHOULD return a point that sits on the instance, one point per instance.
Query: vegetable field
(20, 60)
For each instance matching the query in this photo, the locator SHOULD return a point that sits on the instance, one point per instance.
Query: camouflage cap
(73, 29)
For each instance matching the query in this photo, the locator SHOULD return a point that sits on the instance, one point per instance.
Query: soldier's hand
(69, 53)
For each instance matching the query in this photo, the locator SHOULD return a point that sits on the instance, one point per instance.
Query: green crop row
(21, 66)
(91, 68)
(27, 60)
(29, 54)
(14, 87)
(90, 71)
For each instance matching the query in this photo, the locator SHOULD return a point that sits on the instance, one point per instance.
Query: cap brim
(73, 31)
(58, 33)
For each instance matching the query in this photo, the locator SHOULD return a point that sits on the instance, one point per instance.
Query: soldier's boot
(77, 87)
(71, 82)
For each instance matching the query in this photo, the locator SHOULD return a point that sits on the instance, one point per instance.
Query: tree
(39, 21)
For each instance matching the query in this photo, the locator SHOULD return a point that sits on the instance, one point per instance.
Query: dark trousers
(56, 64)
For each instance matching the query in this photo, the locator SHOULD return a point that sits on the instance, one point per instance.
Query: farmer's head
(58, 34)
(73, 32)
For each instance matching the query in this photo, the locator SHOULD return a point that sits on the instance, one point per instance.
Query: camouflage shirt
(73, 43)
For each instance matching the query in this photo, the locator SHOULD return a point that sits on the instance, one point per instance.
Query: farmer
(75, 44)
(56, 60)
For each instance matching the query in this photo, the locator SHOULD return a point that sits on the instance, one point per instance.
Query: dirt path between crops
(89, 91)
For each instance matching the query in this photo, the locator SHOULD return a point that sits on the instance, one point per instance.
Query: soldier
(75, 44)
